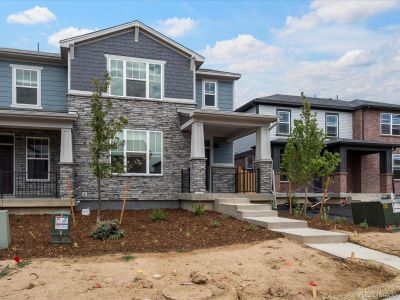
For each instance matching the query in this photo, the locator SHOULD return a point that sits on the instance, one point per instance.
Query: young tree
(327, 165)
(308, 143)
(104, 136)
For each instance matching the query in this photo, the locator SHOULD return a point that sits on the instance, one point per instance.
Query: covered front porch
(35, 158)
(211, 168)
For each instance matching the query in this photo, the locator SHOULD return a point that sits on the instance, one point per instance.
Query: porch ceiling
(232, 125)
(36, 119)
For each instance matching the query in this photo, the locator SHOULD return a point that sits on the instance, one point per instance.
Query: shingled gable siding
(146, 115)
(225, 94)
(89, 62)
(53, 89)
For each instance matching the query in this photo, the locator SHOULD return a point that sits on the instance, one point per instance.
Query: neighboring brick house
(180, 132)
(365, 133)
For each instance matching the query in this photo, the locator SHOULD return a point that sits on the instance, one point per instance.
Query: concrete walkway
(344, 250)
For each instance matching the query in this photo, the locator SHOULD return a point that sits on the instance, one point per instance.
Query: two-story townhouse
(364, 133)
(181, 125)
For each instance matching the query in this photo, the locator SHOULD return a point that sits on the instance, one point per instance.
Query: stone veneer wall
(141, 114)
(223, 179)
(264, 168)
(198, 175)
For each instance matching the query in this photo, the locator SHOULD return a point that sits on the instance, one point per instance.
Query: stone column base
(197, 175)
(264, 174)
(66, 171)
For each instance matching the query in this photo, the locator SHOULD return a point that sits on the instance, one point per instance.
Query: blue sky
(324, 48)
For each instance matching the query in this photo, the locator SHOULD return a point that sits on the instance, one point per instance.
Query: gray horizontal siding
(89, 62)
(244, 144)
(54, 85)
(222, 151)
(225, 94)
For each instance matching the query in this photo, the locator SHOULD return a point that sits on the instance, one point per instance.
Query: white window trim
(337, 125)
(38, 105)
(48, 158)
(215, 106)
(124, 59)
(390, 124)
(288, 122)
(147, 154)
(393, 159)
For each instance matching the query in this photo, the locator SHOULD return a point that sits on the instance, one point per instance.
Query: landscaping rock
(197, 278)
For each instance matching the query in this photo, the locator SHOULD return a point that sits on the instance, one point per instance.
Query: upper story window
(396, 166)
(332, 125)
(210, 94)
(141, 153)
(283, 127)
(390, 124)
(26, 86)
(136, 77)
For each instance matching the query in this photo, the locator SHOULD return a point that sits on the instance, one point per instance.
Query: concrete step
(276, 222)
(252, 206)
(232, 209)
(313, 236)
(224, 200)
(257, 213)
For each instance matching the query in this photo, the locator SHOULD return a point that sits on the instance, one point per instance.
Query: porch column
(66, 166)
(197, 161)
(263, 161)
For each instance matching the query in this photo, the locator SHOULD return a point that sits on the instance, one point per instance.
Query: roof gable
(93, 36)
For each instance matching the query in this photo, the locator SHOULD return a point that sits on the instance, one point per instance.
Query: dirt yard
(383, 241)
(181, 231)
(261, 270)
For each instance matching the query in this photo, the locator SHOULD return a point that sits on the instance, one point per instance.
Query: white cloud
(56, 37)
(349, 11)
(176, 27)
(244, 54)
(355, 58)
(34, 15)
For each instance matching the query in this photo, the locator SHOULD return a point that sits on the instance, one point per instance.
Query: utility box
(61, 228)
(5, 238)
(377, 213)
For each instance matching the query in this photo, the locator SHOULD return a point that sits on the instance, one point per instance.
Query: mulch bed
(181, 231)
(317, 223)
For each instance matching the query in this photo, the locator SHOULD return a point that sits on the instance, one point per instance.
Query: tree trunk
(326, 187)
(290, 197)
(305, 200)
(98, 199)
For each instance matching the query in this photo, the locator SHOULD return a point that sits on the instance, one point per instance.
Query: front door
(6, 169)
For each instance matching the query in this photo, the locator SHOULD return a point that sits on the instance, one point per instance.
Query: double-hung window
(135, 77)
(210, 94)
(390, 124)
(37, 158)
(396, 166)
(332, 125)
(283, 126)
(26, 90)
(141, 152)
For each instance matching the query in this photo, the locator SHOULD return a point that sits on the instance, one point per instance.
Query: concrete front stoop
(263, 215)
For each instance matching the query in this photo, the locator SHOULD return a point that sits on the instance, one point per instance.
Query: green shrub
(107, 230)
(199, 209)
(215, 223)
(298, 209)
(252, 227)
(158, 215)
(127, 257)
(325, 214)
(340, 220)
(363, 225)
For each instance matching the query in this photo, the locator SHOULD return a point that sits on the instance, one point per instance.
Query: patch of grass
(8, 270)
(199, 209)
(340, 220)
(158, 215)
(363, 225)
(107, 230)
(215, 223)
(4, 271)
(252, 227)
(23, 264)
(128, 257)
